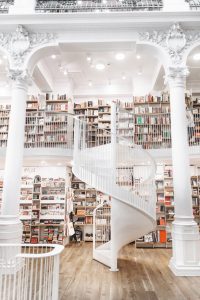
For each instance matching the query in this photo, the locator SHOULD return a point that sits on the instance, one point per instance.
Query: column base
(186, 247)
(184, 270)
(10, 240)
(10, 229)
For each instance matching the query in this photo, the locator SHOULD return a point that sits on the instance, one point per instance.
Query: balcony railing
(29, 271)
(194, 4)
(44, 6)
(4, 6)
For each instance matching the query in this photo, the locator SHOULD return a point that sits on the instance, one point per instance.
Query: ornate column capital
(177, 75)
(21, 42)
(20, 78)
(174, 41)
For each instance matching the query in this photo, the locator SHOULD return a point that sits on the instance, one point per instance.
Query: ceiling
(131, 75)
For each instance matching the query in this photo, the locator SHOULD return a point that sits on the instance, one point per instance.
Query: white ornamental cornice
(175, 41)
(21, 42)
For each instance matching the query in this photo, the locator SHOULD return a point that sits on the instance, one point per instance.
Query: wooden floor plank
(143, 275)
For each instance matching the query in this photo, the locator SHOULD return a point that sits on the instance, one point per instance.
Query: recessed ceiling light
(120, 56)
(53, 56)
(65, 72)
(89, 58)
(79, 2)
(90, 83)
(100, 66)
(196, 56)
(123, 77)
(138, 56)
(140, 73)
(104, 1)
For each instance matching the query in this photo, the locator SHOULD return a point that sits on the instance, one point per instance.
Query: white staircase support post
(10, 224)
(114, 250)
(185, 232)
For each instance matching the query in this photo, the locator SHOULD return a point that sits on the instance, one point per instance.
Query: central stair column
(114, 250)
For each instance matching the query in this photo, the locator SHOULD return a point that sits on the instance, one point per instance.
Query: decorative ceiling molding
(20, 43)
(175, 41)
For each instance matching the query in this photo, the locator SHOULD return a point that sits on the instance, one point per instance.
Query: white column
(23, 7)
(10, 225)
(185, 231)
(175, 5)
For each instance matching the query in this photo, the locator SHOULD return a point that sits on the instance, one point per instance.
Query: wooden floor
(144, 274)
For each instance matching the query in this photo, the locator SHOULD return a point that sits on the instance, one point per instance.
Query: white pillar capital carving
(176, 76)
(20, 78)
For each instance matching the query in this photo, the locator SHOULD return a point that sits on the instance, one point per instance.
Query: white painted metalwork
(101, 224)
(56, 6)
(122, 170)
(29, 272)
(4, 5)
(46, 129)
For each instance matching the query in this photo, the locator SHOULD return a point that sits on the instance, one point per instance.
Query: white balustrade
(132, 179)
(29, 272)
(101, 225)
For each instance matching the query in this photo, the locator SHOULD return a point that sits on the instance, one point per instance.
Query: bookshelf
(165, 208)
(43, 210)
(146, 121)
(85, 200)
(4, 124)
(97, 114)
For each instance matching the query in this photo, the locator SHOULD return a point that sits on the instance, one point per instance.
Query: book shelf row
(43, 210)
(161, 237)
(85, 200)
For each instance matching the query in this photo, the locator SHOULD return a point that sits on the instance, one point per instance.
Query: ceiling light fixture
(138, 56)
(120, 56)
(79, 2)
(53, 56)
(100, 66)
(65, 72)
(123, 77)
(196, 56)
(140, 73)
(89, 58)
(90, 83)
(104, 1)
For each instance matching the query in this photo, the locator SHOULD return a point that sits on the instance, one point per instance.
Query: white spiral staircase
(126, 173)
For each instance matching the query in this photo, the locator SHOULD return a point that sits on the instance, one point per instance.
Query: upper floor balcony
(44, 6)
(96, 6)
